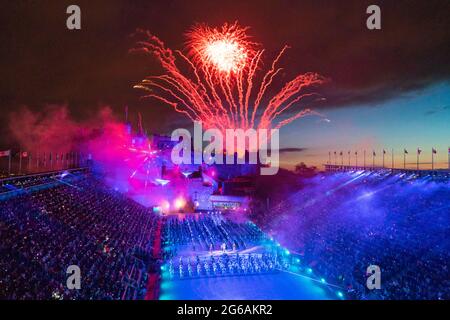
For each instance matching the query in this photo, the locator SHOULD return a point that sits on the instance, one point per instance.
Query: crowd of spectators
(77, 222)
(342, 223)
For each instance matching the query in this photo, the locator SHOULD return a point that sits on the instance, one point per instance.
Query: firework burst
(219, 85)
(222, 51)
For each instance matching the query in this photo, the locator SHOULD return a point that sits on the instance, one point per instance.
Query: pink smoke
(54, 130)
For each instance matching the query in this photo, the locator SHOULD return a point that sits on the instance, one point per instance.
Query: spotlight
(162, 182)
(165, 205)
(180, 203)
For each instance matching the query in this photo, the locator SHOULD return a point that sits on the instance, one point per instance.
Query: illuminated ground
(279, 286)
(290, 280)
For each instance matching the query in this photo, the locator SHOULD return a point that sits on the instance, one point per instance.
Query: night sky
(389, 88)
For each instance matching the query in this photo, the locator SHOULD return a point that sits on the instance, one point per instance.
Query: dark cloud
(435, 110)
(42, 62)
(292, 150)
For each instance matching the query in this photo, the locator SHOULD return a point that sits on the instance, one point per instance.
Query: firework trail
(221, 90)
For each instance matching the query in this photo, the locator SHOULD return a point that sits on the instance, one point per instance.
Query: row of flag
(57, 156)
(419, 151)
(405, 152)
(52, 158)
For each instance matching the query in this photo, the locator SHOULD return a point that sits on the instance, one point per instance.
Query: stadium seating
(342, 223)
(79, 222)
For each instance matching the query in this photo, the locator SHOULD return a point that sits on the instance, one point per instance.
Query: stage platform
(277, 286)
(258, 268)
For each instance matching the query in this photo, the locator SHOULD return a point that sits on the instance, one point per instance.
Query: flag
(433, 150)
(384, 151)
(335, 153)
(5, 153)
(419, 150)
(449, 150)
(356, 153)
(349, 153)
(340, 153)
(405, 151)
(374, 154)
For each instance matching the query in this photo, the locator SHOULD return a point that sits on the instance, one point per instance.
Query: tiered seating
(79, 223)
(345, 222)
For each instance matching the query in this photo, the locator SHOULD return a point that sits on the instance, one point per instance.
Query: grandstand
(315, 244)
(74, 220)
(343, 222)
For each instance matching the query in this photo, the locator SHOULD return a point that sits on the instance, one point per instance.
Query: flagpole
(392, 154)
(417, 159)
(373, 159)
(432, 159)
(404, 159)
(364, 159)
(9, 164)
(20, 162)
(383, 158)
(356, 159)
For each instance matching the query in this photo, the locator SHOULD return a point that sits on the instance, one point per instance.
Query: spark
(219, 85)
(227, 49)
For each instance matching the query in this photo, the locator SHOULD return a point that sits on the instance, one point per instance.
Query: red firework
(222, 91)
(225, 50)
